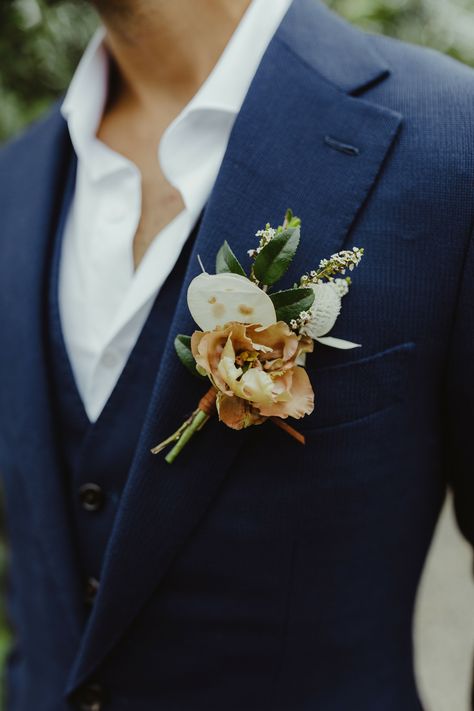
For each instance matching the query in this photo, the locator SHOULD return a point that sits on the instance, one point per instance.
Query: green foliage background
(41, 41)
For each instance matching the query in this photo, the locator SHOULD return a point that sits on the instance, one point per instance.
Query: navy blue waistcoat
(97, 456)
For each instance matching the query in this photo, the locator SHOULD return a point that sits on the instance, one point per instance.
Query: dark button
(92, 587)
(89, 698)
(91, 496)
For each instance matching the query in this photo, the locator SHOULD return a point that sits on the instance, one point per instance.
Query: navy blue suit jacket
(255, 573)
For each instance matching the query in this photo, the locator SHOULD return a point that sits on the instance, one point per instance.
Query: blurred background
(40, 44)
(41, 41)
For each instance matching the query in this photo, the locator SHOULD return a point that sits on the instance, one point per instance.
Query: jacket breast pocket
(359, 388)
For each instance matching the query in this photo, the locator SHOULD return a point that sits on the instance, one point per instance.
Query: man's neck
(166, 47)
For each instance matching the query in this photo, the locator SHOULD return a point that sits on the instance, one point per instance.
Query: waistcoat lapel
(277, 157)
(30, 198)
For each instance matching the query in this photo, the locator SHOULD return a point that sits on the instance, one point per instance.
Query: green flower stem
(174, 437)
(198, 421)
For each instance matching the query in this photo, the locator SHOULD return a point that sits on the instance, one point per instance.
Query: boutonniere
(253, 341)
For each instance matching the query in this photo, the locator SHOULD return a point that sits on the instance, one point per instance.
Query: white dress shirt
(103, 301)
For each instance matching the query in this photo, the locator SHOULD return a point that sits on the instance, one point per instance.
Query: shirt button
(91, 497)
(90, 698)
(92, 587)
(109, 359)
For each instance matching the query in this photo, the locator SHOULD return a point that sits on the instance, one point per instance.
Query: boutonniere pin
(253, 341)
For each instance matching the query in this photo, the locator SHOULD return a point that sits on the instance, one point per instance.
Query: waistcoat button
(92, 587)
(91, 497)
(90, 698)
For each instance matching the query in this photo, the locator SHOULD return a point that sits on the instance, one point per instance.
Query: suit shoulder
(27, 162)
(434, 94)
(421, 70)
(21, 148)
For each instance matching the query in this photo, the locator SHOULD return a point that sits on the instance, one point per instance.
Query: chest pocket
(359, 388)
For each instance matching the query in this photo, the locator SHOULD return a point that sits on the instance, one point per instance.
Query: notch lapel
(276, 157)
(30, 197)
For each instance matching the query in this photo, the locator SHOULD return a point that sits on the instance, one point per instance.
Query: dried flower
(320, 319)
(254, 371)
(324, 312)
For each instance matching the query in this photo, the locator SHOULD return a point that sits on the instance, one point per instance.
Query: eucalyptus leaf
(275, 258)
(289, 303)
(182, 346)
(226, 261)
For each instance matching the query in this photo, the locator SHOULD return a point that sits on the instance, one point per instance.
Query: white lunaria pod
(216, 299)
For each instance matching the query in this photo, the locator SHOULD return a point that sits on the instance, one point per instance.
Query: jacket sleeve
(459, 426)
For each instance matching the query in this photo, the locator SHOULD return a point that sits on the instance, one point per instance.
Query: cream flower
(324, 312)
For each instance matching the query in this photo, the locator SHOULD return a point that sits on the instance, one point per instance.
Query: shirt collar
(84, 104)
(227, 84)
(223, 91)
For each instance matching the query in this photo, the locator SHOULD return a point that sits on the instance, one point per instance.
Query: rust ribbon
(208, 405)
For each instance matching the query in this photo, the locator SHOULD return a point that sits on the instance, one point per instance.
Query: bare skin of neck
(162, 51)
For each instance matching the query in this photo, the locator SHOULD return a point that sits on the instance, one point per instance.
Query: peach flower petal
(301, 402)
(279, 338)
(254, 370)
(237, 413)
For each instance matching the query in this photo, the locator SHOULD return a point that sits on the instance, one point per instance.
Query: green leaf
(289, 304)
(291, 220)
(226, 261)
(182, 346)
(276, 256)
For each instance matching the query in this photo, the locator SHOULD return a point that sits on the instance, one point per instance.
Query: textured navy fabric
(254, 573)
(101, 452)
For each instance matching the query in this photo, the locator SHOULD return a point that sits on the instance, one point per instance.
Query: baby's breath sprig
(268, 233)
(338, 263)
(278, 247)
(304, 317)
(265, 236)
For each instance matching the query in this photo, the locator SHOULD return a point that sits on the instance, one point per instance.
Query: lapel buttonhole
(341, 147)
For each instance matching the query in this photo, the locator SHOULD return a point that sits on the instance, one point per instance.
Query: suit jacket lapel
(278, 156)
(30, 199)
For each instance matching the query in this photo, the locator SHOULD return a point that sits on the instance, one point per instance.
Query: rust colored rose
(254, 371)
